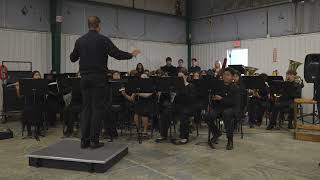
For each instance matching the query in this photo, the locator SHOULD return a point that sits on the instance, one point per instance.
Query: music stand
(239, 68)
(253, 82)
(138, 85)
(274, 78)
(33, 88)
(169, 85)
(115, 99)
(276, 87)
(210, 86)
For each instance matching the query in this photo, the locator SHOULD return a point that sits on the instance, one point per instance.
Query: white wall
(18, 45)
(261, 53)
(153, 54)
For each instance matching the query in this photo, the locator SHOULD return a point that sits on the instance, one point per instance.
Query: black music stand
(210, 86)
(239, 68)
(66, 86)
(33, 88)
(115, 87)
(274, 78)
(253, 82)
(169, 85)
(136, 85)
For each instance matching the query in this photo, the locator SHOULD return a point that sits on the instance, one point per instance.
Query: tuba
(250, 71)
(294, 65)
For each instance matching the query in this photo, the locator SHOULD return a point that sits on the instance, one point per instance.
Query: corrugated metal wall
(261, 53)
(152, 57)
(16, 45)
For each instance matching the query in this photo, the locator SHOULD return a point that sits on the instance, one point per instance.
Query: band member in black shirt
(286, 100)
(139, 69)
(215, 71)
(258, 104)
(32, 112)
(184, 102)
(180, 65)
(226, 105)
(169, 68)
(92, 49)
(194, 67)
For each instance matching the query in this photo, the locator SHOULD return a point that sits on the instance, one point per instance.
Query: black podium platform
(67, 154)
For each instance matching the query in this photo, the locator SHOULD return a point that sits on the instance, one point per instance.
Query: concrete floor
(261, 155)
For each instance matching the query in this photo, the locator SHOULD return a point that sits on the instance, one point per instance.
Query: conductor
(92, 51)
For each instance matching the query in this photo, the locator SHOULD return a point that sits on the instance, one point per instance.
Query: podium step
(67, 154)
(307, 132)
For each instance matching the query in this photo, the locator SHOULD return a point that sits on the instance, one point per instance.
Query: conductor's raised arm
(116, 53)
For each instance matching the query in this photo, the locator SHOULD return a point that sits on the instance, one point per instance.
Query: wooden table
(305, 132)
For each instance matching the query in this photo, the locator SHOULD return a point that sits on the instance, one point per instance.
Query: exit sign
(237, 43)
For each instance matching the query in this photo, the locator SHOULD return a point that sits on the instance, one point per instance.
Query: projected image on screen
(237, 57)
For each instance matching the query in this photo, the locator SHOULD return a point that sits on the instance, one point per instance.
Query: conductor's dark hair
(180, 60)
(194, 59)
(168, 59)
(93, 22)
(231, 70)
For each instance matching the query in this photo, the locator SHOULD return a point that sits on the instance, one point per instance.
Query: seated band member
(139, 69)
(286, 100)
(203, 73)
(258, 104)
(196, 76)
(114, 112)
(32, 112)
(215, 70)
(142, 107)
(169, 68)
(166, 111)
(225, 104)
(184, 102)
(180, 65)
(194, 67)
(243, 95)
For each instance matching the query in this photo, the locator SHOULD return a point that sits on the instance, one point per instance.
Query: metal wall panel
(281, 20)
(131, 24)
(202, 8)
(108, 17)
(252, 24)
(167, 29)
(225, 28)
(29, 15)
(201, 31)
(163, 6)
(261, 53)
(2, 13)
(153, 54)
(120, 23)
(26, 46)
(73, 18)
(311, 16)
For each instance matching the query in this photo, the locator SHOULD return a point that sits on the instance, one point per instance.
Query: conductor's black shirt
(93, 50)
